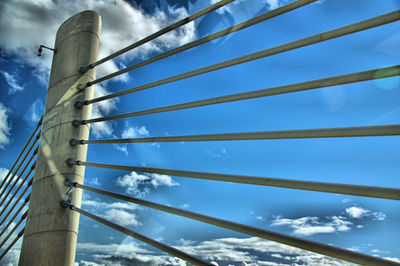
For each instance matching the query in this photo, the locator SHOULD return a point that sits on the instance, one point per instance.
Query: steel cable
(357, 190)
(317, 38)
(20, 164)
(21, 233)
(15, 214)
(338, 132)
(373, 74)
(332, 251)
(17, 201)
(160, 32)
(263, 17)
(152, 242)
(19, 177)
(14, 228)
(18, 188)
(23, 150)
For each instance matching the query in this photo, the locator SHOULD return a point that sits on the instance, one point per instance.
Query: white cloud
(140, 185)
(4, 126)
(185, 242)
(162, 180)
(272, 3)
(226, 251)
(103, 205)
(380, 216)
(94, 181)
(135, 132)
(100, 109)
(392, 259)
(25, 24)
(247, 251)
(129, 253)
(3, 173)
(308, 230)
(121, 213)
(120, 248)
(121, 217)
(13, 176)
(131, 181)
(122, 148)
(340, 223)
(223, 9)
(331, 224)
(311, 225)
(87, 263)
(131, 132)
(356, 212)
(12, 81)
(12, 256)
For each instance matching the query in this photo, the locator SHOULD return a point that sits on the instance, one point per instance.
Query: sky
(362, 224)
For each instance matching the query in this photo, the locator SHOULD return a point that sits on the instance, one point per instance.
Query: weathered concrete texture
(51, 231)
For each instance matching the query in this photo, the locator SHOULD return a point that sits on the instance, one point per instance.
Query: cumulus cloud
(115, 205)
(122, 148)
(13, 176)
(185, 242)
(331, 224)
(25, 24)
(129, 253)
(312, 225)
(255, 251)
(121, 217)
(100, 109)
(4, 126)
(3, 173)
(223, 251)
(392, 259)
(124, 24)
(122, 213)
(135, 132)
(131, 132)
(87, 263)
(380, 216)
(12, 256)
(272, 3)
(12, 82)
(140, 185)
(356, 212)
(93, 181)
(120, 248)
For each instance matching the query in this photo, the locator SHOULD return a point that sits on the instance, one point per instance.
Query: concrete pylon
(51, 231)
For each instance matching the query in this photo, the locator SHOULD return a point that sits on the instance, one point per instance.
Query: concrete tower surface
(51, 231)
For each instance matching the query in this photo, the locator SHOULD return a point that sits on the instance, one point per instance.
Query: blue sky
(363, 224)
